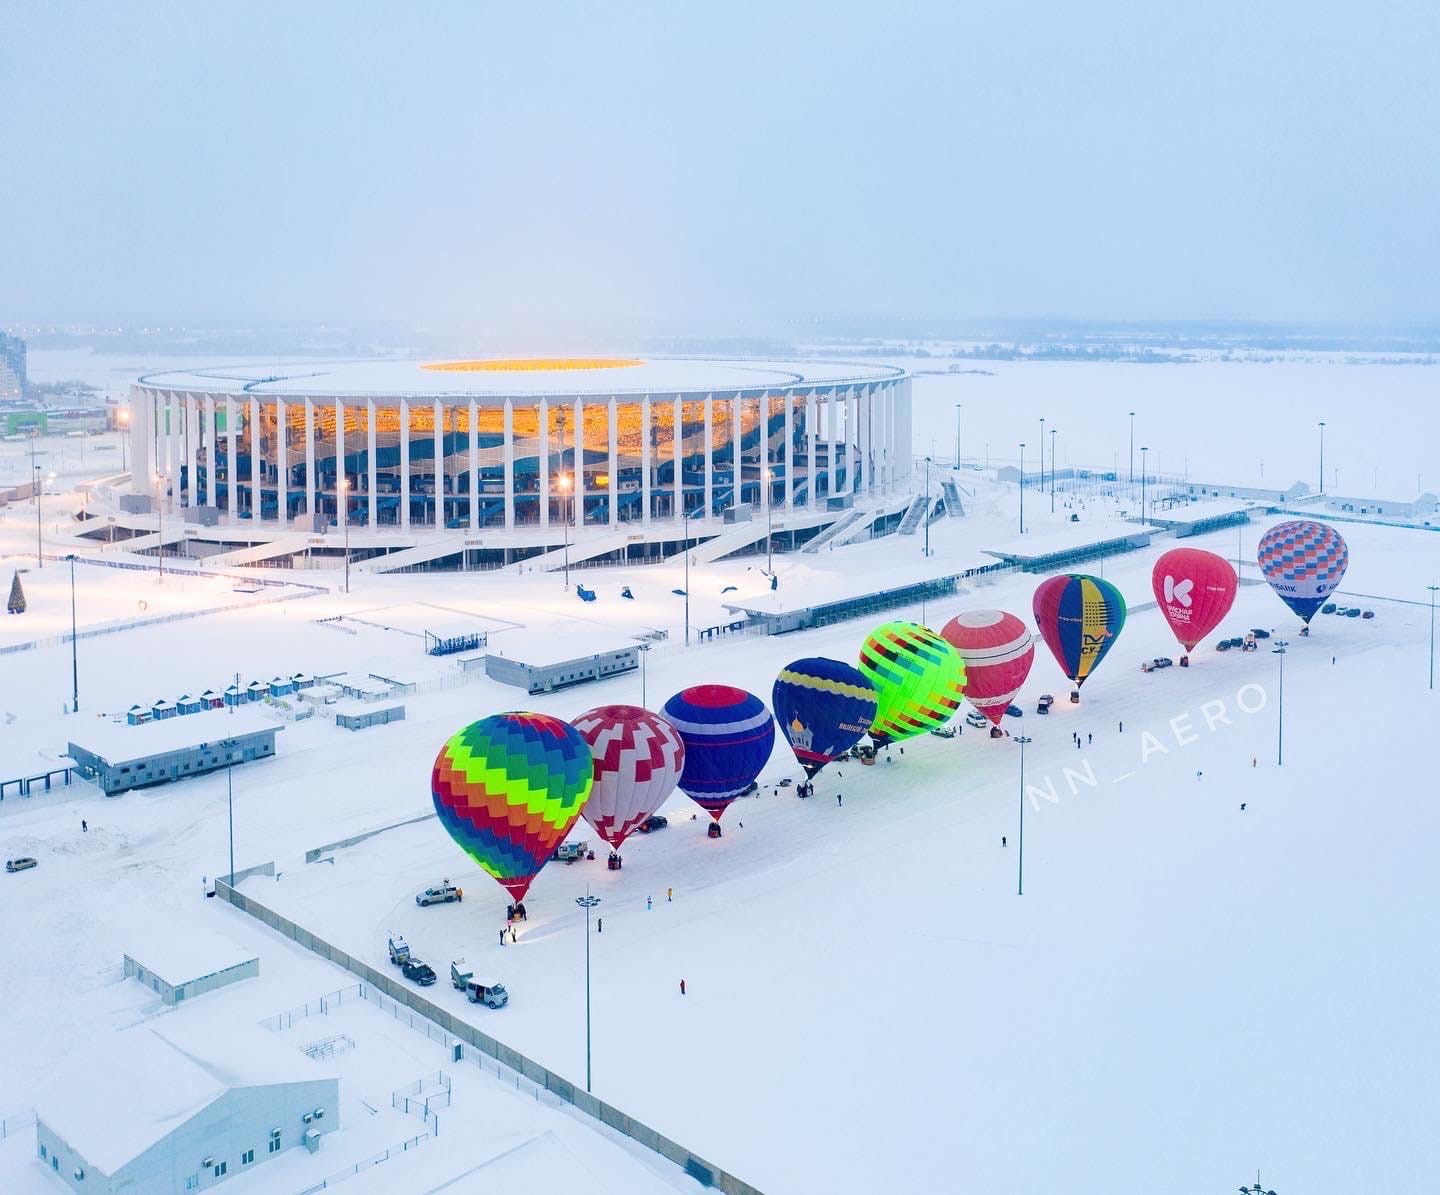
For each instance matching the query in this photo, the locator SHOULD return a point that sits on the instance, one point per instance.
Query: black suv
(421, 973)
(652, 823)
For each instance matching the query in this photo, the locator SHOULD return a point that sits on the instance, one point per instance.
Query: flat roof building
(178, 964)
(117, 758)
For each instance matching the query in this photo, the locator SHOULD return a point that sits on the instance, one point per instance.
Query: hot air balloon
(1304, 563)
(1195, 590)
(823, 708)
(728, 736)
(919, 680)
(638, 759)
(508, 788)
(997, 651)
(1079, 618)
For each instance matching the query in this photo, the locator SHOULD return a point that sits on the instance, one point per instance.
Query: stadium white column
(254, 456)
(509, 458)
(309, 466)
(812, 428)
(192, 421)
(893, 406)
(736, 433)
(404, 465)
(141, 422)
(207, 441)
(172, 451)
(578, 484)
(508, 453)
(678, 451)
(789, 450)
(614, 515)
(832, 405)
(282, 465)
(438, 430)
(371, 502)
(852, 423)
(709, 454)
(878, 424)
(765, 480)
(231, 513)
(342, 504)
(543, 458)
(645, 459)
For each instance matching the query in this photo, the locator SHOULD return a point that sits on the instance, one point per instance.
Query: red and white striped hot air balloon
(998, 650)
(638, 761)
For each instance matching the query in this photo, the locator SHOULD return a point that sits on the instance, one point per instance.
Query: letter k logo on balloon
(1178, 594)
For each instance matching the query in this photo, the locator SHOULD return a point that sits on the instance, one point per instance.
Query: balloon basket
(1074, 696)
(713, 830)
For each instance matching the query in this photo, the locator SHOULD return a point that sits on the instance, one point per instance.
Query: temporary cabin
(211, 700)
(189, 704)
(164, 709)
(138, 715)
(256, 690)
(234, 695)
(302, 680)
(280, 687)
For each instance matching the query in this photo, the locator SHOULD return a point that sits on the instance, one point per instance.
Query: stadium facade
(408, 446)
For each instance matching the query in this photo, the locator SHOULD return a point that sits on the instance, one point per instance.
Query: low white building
(180, 963)
(173, 1105)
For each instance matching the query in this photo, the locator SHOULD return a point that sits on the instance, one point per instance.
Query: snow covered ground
(1184, 992)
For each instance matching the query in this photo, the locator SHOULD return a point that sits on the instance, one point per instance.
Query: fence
(411, 1102)
(351, 1171)
(10, 1125)
(447, 1028)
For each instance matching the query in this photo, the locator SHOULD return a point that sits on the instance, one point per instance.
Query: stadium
(524, 451)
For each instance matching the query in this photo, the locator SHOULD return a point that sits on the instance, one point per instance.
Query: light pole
(230, 788)
(957, 433)
(1132, 448)
(1022, 487)
(1042, 454)
(565, 482)
(1322, 456)
(1020, 882)
(685, 514)
(1279, 650)
(345, 518)
(74, 657)
(1143, 452)
(1257, 1189)
(927, 507)
(587, 902)
(1052, 470)
(160, 524)
(644, 650)
(122, 417)
(1432, 589)
(39, 488)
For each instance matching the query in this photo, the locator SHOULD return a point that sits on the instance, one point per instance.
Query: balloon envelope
(1304, 562)
(823, 708)
(998, 651)
(508, 788)
(919, 680)
(638, 759)
(1195, 590)
(728, 736)
(1079, 618)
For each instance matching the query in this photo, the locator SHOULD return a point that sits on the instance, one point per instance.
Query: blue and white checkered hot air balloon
(1304, 562)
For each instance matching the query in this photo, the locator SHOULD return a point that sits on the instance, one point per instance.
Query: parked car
(1353, 612)
(1164, 662)
(750, 789)
(1046, 701)
(1368, 614)
(1328, 608)
(1014, 711)
(944, 732)
(786, 781)
(571, 851)
(656, 821)
(1259, 634)
(24, 863)
(976, 719)
(421, 973)
(440, 894)
(493, 995)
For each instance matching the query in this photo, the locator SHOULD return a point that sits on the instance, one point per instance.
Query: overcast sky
(724, 165)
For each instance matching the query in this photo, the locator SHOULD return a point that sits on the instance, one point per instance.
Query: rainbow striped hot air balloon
(1079, 618)
(508, 788)
(823, 708)
(728, 736)
(919, 680)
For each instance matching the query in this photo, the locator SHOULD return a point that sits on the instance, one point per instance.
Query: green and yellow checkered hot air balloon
(919, 680)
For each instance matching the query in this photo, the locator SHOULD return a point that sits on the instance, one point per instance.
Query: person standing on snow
(682, 987)
(647, 902)
(1002, 841)
(669, 894)
(84, 826)
(502, 937)
(1089, 738)
(599, 925)
(839, 799)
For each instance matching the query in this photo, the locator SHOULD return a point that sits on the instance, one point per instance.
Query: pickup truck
(399, 950)
(570, 851)
(492, 995)
(1046, 701)
(440, 894)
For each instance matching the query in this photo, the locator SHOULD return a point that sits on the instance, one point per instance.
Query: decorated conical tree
(16, 605)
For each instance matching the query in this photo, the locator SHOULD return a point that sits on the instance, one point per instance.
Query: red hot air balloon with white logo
(1195, 589)
(998, 650)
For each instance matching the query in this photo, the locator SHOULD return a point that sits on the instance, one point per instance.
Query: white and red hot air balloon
(638, 760)
(998, 650)
(1195, 590)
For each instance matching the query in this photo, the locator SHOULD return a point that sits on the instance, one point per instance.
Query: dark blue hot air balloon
(728, 736)
(824, 707)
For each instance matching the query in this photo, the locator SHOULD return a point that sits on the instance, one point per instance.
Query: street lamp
(1022, 487)
(1257, 1189)
(122, 417)
(1432, 589)
(957, 433)
(1279, 650)
(685, 514)
(1042, 454)
(74, 657)
(1020, 882)
(1143, 452)
(565, 483)
(38, 487)
(1132, 448)
(160, 524)
(1052, 469)
(644, 650)
(345, 519)
(230, 788)
(587, 902)
(927, 507)
(1322, 456)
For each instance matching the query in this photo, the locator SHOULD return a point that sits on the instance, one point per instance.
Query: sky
(725, 167)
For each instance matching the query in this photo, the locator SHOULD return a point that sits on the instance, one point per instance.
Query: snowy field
(1185, 991)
